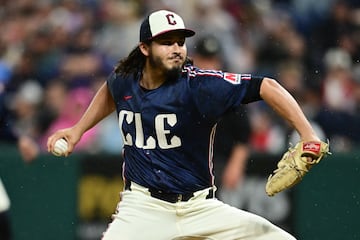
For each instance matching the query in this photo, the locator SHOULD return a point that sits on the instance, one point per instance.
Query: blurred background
(54, 54)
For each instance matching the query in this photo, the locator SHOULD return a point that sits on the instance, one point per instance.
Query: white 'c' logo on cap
(171, 19)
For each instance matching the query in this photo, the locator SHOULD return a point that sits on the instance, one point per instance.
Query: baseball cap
(161, 22)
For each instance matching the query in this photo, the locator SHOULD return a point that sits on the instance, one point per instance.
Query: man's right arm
(100, 107)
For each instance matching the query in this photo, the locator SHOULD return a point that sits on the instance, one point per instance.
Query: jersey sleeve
(217, 92)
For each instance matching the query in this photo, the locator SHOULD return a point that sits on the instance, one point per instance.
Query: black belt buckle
(170, 197)
(176, 197)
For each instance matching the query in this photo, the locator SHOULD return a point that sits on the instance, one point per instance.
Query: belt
(170, 197)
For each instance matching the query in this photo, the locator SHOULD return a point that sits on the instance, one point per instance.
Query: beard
(171, 74)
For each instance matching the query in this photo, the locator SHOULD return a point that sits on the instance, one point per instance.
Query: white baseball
(60, 147)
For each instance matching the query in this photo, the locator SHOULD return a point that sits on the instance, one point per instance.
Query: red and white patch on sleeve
(312, 147)
(232, 77)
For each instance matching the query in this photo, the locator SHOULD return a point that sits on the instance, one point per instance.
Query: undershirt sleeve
(253, 92)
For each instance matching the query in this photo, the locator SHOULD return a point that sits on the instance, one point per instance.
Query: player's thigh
(138, 218)
(222, 221)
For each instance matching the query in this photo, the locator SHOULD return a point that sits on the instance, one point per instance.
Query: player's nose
(175, 47)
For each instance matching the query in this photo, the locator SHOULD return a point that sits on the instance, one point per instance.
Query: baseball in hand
(60, 147)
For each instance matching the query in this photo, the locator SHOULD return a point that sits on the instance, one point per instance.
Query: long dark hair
(132, 64)
(135, 62)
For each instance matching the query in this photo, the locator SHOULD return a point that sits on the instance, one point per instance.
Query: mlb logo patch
(232, 77)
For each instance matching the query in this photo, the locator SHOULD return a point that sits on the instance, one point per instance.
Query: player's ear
(144, 48)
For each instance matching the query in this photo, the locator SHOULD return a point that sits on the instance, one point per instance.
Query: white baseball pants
(140, 216)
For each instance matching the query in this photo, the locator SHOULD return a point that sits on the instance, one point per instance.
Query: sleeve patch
(236, 78)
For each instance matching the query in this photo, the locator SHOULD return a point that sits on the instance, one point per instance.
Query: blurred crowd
(54, 54)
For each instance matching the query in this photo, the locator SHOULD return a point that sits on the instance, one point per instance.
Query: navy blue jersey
(168, 132)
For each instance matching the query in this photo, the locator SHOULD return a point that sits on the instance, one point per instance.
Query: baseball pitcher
(168, 110)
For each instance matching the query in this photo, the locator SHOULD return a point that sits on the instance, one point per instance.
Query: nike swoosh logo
(127, 97)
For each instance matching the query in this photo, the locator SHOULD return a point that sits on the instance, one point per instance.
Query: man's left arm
(279, 99)
(298, 160)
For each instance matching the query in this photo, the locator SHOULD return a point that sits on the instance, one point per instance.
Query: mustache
(176, 55)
